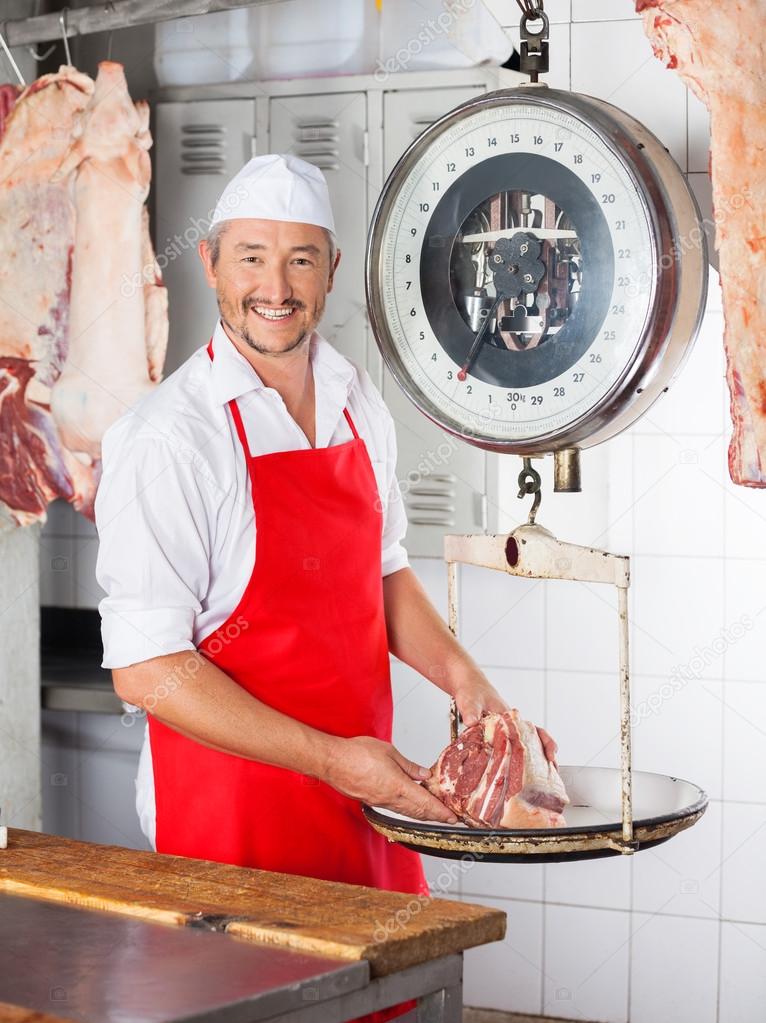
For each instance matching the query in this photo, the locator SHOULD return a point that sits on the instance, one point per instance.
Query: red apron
(308, 638)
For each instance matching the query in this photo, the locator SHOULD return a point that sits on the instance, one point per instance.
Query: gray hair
(216, 232)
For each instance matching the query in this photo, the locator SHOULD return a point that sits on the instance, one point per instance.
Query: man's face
(271, 280)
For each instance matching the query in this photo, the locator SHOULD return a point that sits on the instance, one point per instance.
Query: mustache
(291, 303)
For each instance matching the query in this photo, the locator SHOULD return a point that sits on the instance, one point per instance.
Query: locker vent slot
(203, 149)
(431, 501)
(317, 142)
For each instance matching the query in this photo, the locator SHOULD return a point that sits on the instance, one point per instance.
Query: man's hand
(376, 773)
(477, 696)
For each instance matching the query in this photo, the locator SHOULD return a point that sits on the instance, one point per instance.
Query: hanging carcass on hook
(717, 49)
(83, 313)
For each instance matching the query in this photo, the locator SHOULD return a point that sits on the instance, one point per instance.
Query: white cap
(277, 187)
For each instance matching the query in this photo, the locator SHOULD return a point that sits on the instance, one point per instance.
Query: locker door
(330, 132)
(200, 146)
(442, 479)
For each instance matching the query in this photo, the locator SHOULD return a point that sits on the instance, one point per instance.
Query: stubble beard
(243, 332)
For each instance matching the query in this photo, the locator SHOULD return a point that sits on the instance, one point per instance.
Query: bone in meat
(496, 775)
(718, 50)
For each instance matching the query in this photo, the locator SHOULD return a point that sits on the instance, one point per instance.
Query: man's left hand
(478, 696)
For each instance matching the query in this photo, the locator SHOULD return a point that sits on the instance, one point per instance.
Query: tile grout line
(544, 893)
(631, 639)
(724, 659)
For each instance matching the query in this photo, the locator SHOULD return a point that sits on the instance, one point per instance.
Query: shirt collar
(231, 375)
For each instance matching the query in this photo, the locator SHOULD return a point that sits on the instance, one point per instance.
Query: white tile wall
(678, 472)
(662, 739)
(508, 14)
(678, 612)
(746, 607)
(586, 963)
(508, 974)
(613, 61)
(502, 621)
(678, 986)
(603, 10)
(604, 883)
(584, 718)
(582, 626)
(743, 972)
(743, 881)
(681, 877)
(744, 738)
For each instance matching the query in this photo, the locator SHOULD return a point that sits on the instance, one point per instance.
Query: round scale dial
(525, 278)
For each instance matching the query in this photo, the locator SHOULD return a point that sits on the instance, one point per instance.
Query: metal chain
(530, 483)
(530, 8)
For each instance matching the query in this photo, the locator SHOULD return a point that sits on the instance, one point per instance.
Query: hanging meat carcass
(718, 50)
(83, 313)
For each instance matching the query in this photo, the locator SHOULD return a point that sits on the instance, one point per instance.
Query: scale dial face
(515, 273)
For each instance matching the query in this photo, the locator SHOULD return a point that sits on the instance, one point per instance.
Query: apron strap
(236, 415)
(350, 422)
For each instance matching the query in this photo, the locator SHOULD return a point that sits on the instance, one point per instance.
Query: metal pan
(662, 806)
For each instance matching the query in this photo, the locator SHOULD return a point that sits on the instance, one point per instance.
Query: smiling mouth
(273, 315)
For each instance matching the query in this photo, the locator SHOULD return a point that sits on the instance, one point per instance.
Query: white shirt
(174, 512)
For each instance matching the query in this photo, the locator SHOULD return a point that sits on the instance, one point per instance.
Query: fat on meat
(496, 775)
(59, 262)
(719, 50)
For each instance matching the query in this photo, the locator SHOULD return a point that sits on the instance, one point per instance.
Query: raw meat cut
(107, 368)
(66, 256)
(496, 775)
(718, 50)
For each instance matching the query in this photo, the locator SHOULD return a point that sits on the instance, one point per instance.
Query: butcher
(251, 554)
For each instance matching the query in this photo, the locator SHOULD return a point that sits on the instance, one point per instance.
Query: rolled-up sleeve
(394, 555)
(154, 548)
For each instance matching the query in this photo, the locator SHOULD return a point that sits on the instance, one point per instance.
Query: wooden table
(147, 937)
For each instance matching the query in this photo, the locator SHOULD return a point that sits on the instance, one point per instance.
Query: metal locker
(330, 131)
(406, 113)
(200, 146)
(443, 480)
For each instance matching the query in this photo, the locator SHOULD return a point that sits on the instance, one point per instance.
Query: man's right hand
(376, 773)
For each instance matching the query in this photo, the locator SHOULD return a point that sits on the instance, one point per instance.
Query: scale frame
(532, 552)
(644, 365)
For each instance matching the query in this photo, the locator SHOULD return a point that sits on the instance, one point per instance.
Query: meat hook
(64, 32)
(529, 483)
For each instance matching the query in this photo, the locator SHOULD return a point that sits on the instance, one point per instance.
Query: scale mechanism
(532, 290)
